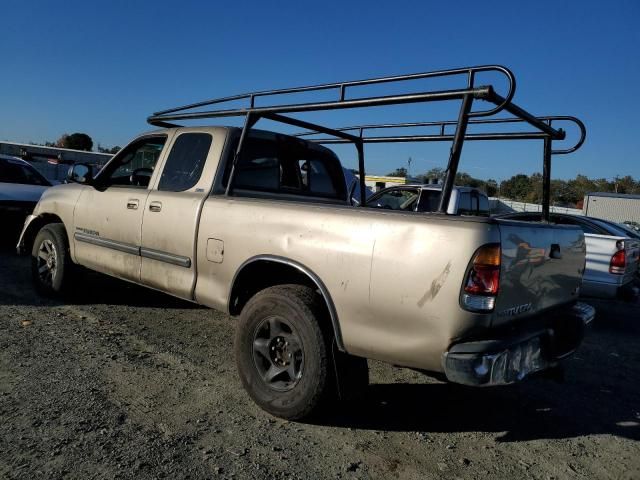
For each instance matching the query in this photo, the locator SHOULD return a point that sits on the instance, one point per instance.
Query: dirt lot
(122, 382)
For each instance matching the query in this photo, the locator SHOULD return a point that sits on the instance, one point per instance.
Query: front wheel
(50, 262)
(283, 354)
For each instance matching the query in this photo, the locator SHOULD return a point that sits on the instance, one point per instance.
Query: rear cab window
(286, 166)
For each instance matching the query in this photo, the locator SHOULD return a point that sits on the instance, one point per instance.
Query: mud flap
(352, 374)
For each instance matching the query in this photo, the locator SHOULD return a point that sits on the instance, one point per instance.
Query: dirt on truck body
(259, 224)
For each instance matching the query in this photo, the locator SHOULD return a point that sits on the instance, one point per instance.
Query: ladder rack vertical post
(249, 121)
(362, 180)
(546, 179)
(456, 150)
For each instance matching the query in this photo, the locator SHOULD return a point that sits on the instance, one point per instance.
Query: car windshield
(11, 172)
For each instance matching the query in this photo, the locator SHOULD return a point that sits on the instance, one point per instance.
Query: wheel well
(263, 273)
(34, 227)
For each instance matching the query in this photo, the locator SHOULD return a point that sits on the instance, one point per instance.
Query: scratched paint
(436, 285)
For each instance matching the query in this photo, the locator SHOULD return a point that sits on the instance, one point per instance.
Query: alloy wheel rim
(277, 353)
(47, 262)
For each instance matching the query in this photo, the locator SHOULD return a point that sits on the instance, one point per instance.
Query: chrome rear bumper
(512, 357)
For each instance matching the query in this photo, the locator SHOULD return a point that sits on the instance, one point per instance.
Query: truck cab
(260, 225)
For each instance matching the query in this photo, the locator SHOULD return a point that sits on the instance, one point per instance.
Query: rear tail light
(483, 279)
(618, 263)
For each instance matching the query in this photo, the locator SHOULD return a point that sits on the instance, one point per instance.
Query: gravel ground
(123, 382)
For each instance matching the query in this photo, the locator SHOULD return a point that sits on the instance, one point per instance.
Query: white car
(612, 254)
(21, 186)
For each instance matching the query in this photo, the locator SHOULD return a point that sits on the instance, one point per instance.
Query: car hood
(19, 192)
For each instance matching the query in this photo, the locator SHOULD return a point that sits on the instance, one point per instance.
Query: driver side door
(108, 215)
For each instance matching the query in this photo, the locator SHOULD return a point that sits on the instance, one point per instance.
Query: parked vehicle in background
(260, 224)
(635, 226)
(612, 254)
(426, 198)
(21, 186)
(353, 187)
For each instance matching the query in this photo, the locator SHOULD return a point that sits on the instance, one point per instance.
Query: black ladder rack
(543, 128)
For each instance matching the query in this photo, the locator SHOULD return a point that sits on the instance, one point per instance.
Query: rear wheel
(50, 262)
(283, 351)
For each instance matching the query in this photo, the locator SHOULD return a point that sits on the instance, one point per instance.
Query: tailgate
(541, 268)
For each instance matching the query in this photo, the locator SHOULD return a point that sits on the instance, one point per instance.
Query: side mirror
(80, 173)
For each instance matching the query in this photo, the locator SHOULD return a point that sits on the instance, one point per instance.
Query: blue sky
(101, 67)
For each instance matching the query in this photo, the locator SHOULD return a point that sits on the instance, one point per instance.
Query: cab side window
(185, 162)
(134, 165)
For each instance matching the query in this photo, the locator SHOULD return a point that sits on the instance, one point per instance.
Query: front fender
(29, 224)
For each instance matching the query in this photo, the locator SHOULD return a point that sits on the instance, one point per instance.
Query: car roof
(14, 160)
(598, 223)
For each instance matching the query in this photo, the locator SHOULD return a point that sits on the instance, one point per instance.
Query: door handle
(132, 204)
(555, 252)
(155, 206)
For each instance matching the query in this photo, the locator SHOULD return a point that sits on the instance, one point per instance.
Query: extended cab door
(172, 212)
(108, 215)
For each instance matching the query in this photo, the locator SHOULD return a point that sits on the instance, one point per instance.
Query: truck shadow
(535, 410)
(16, 288)
(599, 396)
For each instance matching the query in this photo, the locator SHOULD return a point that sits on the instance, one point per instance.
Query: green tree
(75, 141)
(112, 150)
(516, 188)
(398, 172)
(491, 187)
(626, 184)
(436, 173)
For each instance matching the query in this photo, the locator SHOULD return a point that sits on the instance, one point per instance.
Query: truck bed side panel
(394, 278)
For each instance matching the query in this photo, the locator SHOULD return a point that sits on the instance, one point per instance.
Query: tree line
(78, 141)
(528, 188)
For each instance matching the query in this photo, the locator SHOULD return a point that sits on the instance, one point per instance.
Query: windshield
(11, 172)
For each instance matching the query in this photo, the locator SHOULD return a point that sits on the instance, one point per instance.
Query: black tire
(284, 329)
(51, 264)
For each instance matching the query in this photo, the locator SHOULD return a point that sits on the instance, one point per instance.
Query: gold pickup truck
(259, 224)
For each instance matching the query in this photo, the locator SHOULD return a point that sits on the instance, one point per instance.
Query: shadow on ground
(538, 409)
(16, 287)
